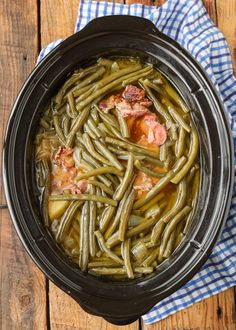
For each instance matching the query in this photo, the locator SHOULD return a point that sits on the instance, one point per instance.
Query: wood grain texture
(211, 8)
(18, 52)
(66, 314)
(22, 291)
(226, 11)
(57, 18)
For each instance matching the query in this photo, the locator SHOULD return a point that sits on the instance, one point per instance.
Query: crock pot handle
(119, 23)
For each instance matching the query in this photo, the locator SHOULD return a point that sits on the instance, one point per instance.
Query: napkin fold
(187, 22)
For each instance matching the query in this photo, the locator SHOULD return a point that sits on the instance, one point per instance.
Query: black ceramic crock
(119, 302)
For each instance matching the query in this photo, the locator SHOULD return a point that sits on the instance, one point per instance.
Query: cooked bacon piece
(133, 93)
(64, 157)
(157, 134)
(132, 102)
(142, 184)
(109, 103)
(128, 110)
(79, 187)
(64, 173)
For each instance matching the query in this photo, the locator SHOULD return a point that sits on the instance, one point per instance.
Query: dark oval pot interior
(119, 302)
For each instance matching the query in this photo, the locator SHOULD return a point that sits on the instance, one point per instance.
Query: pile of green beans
(110, 230)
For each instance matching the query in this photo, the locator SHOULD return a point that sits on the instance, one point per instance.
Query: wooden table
(27, 299)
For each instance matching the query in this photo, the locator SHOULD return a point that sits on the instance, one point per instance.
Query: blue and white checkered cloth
(187, 22)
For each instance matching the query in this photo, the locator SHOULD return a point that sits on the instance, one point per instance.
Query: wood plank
(226, 11)
(65, 313)
(22, 293)
(18, 52)
(211, 8)
(58, 19)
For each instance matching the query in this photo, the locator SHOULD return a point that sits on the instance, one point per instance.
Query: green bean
(123, 125)
(101, 185)
(114, 240)
(170, 245)
(152, 202)
(105, 62)
(146, 170)
(99, 264)
(44, 123)
(143, 239)
(160, 109)
(116, 76)
(92, 223)
(94, 164)
(95, 115)
(163, 152)
(195, 192)
(98, 171)
(85, 253)
(89, 131)
(106, 117)
(179, 234)
(174, 95)
(135, 220)
(156, 88)
(104, 129)
(99, 193)
(126, 253)
(140, 252)
(106, 217)
(162, 183)
(137, 76)
(191, 174)
(131, 147)
(105, 249)
(94, 127)
(58, 129)
(103, 87)
(86, 87)
(193, 151)
(79, 121)
(170, 227)
(125, 218)
(176, 116)
(66, 220)
(46, 184)
(106, 153)
(152, 211)
(71, 81)
(152, 257)
(119, 193)
(92, 78)
(173, 132)
(92, 151)
(179, 204)
(119, 212)
(84, 92)
(66, 125)
(114, 130)
(120, 271)
(179, 146)
(71, 102)
(82, 197)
